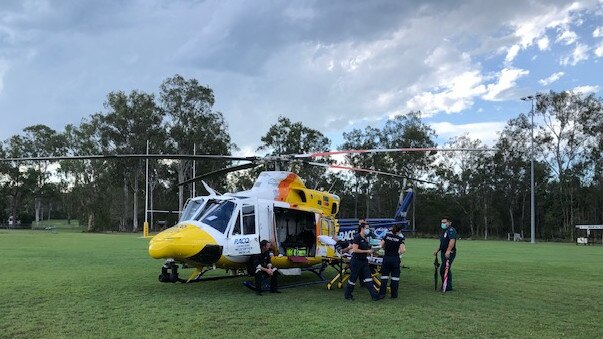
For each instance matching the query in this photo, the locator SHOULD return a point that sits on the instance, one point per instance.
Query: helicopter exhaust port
(169, 272)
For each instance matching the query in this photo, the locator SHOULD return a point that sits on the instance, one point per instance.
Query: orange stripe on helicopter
(285, 186)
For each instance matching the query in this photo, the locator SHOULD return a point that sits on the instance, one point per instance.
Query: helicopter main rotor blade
(133, 156)
(220, 171)
(363, 170)
(384, 150)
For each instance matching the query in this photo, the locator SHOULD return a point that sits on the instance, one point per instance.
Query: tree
(357, 140)
(41, 141)
(563, 137)
(86, 182)
(287, 137)
(404, 131)
(463, 176)
(132, 120)
(512, 167)
(191, 123)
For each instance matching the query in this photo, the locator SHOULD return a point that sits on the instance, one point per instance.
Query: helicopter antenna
(209, 189)
(333, 184)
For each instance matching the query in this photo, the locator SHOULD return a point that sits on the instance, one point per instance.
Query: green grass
(75, 285)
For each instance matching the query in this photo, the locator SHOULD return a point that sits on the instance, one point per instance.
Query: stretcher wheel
(329, 285)
(339, 285)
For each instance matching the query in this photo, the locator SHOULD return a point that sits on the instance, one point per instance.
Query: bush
(26, 218)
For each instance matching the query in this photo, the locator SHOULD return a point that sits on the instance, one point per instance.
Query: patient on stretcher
(340, 246)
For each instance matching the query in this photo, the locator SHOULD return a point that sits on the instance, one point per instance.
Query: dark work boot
(383, 288)
(394, 288)
(258, 284)
(373, 292)
(348, 292)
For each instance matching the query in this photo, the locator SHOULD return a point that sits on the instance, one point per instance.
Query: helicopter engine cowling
(185, 242)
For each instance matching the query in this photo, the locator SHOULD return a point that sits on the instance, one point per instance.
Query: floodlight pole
(532, 198)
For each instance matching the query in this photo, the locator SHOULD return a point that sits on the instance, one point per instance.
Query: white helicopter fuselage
(225, 230)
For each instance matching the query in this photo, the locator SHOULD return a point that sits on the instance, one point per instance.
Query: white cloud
(512, 53)
(554, 77)
(543, 43)
(3, 68)
(586, 89)
(599, 51)
(506, 80)
(567, 37)
(531, 27)
(598, 32)
(580, 53)
(487, 132)
(456, 95)
(332, 65)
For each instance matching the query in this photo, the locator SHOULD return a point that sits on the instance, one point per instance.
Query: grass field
(73, 284)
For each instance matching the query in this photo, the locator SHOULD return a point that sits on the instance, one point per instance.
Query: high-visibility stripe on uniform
(351, 283)
(368, 280)
(395, 279)
(383, 277)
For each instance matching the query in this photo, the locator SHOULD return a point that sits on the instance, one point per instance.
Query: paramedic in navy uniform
(359, 266)
(393, 244)
(448, 251)
(263, 268)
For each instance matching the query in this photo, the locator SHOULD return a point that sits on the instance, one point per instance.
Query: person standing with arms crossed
(359, 266)
(448, 253)
(393, 244)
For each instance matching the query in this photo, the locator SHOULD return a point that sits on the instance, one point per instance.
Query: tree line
(486, 194)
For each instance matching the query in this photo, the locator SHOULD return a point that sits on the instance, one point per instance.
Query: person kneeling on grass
(263, 268)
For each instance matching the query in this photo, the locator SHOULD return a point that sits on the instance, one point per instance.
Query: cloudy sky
(335, 65)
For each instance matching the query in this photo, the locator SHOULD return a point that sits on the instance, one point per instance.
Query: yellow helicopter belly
(287, 262)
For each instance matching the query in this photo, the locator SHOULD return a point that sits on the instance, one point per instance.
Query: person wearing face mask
(447, 251)
(393, 245)
(359, 266)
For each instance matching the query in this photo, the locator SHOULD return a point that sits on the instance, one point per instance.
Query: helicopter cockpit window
(248, 219)
(191, 209)
(218, 214)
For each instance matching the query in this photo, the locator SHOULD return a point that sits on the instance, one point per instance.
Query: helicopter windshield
(191, 209)
(218, 214)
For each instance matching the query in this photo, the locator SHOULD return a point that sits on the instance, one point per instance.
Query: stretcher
(341, 264)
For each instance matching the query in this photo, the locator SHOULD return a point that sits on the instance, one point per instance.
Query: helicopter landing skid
(169, 274)
(266, 282)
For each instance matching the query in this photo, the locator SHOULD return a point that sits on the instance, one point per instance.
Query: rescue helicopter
(224, 230)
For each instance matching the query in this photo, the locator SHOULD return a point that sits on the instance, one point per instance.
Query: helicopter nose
(185, 242)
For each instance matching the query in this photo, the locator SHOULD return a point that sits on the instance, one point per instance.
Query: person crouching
(263, 268)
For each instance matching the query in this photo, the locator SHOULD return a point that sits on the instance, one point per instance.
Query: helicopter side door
(243, 238)
(265, 219)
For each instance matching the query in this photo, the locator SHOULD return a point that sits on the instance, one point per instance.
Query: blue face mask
(367, 231)
(443, 226)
